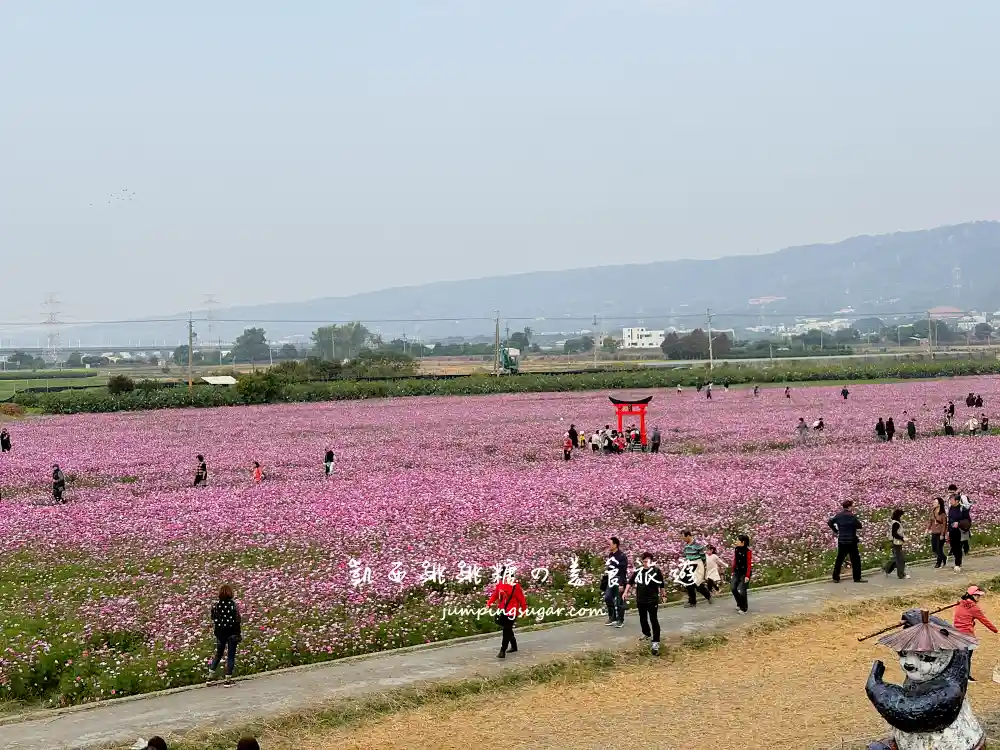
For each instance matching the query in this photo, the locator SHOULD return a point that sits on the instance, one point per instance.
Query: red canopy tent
(632, 408)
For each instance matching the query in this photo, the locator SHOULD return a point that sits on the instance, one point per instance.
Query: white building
(640, 338)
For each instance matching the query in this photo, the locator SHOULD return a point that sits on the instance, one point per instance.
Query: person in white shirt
(595, 441)
(713, 569)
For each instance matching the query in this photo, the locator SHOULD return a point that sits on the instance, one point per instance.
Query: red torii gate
(632, 408)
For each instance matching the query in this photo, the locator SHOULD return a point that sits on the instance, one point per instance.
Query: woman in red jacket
(967, 613)
(508, 598)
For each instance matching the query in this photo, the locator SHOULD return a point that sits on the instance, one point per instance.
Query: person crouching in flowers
(508, 598)
(201, 474)
(228, 632)
(258, 473)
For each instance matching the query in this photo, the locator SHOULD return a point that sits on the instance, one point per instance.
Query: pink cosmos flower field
(109, 594)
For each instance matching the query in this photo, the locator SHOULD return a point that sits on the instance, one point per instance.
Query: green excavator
(509, 357)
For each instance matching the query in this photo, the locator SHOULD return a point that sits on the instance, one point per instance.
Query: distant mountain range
(882, 275)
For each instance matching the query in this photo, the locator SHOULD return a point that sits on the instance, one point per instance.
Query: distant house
(641, 338)
(946, 313)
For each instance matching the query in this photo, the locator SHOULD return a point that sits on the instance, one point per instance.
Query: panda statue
(930, 710)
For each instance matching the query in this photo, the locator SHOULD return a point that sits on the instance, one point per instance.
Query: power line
(466, 319)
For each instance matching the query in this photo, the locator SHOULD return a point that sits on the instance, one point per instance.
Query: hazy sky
(292, 150)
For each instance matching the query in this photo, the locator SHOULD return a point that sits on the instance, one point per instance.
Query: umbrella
(927, 637)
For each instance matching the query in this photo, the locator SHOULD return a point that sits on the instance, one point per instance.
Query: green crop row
(272, 388)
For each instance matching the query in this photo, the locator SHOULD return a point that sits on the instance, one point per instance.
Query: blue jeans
(220, 647)
(616, 605)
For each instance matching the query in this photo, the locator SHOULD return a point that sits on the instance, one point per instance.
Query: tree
(288, 351)
(721, 345)
(181, 355)
(696, 344)
(340, 341)
(984, 330)
(868, 325)
(251, 346)
(610, 344)
(21, 359)
(74, 360)
(672, 347)
(153, 360)
(588, 343)
(521, 340)
(846, 336)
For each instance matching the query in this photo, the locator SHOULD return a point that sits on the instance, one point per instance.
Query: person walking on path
(890, 429)
(5, 441)
(845, 393)
(846, 526)
(911, 429)
(958, 521)
(756, 390)
(964, 501)
(896, 537)
(742, 567)
(574, 436)
(328, 461)
(648, 584)
(937, 527)
(880, 429)
(201, 474)
(788, 392)
(567, 447)
(966, 615)
(58, 484)
(615, 580)
(713, 569)
(654, 445)
(708, 392)
(508, 598)
(228, 626)
(694, 556)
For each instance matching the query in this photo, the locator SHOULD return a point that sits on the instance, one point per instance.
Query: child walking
(713, 569)
(896, 536)
(966, 614)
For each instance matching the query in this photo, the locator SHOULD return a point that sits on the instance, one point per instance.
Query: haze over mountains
(904, 272)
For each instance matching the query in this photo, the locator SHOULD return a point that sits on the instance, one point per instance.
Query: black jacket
(226, 619)
(958, 514)
(741, 562)
(846, 525)
(616, 568)
(647, 582)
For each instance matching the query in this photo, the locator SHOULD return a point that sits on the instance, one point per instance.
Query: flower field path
(120, 722)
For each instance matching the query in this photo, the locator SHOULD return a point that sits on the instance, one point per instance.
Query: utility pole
(930, 336)
(496, 343)
(597, 341)
(52, 321)
(190, 354)
(711, 356)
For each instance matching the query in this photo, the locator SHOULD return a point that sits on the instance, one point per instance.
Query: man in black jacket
(616, 575)
(846, 526)
(648, 583)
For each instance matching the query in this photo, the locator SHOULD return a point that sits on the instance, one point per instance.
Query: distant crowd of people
(608, 440)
